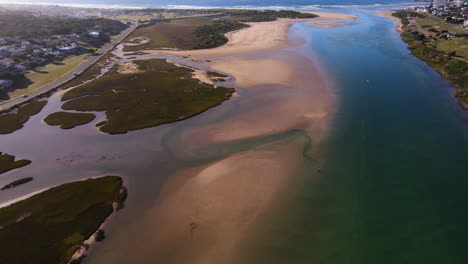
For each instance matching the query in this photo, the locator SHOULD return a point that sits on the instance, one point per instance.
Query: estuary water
(392, 185)
(387, 185)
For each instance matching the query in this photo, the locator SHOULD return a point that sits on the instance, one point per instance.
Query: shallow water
(392, 187)
(387, 185)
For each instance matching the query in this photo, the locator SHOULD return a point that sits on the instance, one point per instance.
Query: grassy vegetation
(42, 76)
(159, 93)
(101, 123)
(445, 25)
(174, 34)
(216, 74)
(68, 120)
(427, 22)
(459, 45)
(212, 35)
(404, 14)
(8, 163)
(426, 47)
(13, 121)
(49, 227)
(265, 15)
(17, 183)
(91, 72)
(202, 32)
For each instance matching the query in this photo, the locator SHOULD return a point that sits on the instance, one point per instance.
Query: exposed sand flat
(389, 15)
(204, 212)
(325, 24)
(301, 98)
(260, 36)
(251, 71)
(202, 76)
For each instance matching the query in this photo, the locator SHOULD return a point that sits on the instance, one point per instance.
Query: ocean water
(270, 4)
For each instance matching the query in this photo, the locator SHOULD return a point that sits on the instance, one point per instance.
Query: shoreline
(389, 14)
(191, 213)
(443, 73)
(260, 36)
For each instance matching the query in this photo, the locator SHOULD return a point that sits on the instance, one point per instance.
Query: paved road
(415, 23)
(81, 68)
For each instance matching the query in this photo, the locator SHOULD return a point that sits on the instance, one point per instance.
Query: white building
(94, 34)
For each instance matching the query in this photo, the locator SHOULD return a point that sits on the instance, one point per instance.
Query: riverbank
(425, 44)
(205, 212)
(49, 228)
(389, 14)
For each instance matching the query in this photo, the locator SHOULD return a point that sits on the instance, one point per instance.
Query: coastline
(260, 36)
(205, 212)
(450, 76)
(389, 14)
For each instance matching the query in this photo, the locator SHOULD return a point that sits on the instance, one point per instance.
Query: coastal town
(454, 12)
(30, 40)
(18, 55)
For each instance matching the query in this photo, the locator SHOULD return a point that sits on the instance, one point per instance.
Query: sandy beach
(260, 36)
(389, 15)
(205, 212)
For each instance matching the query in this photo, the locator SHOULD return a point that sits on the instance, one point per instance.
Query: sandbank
(205, 212)
(325, 24)
(389, 14)
(260, 36)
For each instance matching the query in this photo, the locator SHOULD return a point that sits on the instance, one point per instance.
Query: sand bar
(260, 36)
(326, 24)
(205, 212)
(389, 14)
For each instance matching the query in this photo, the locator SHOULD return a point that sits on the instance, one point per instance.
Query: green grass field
(8, 163)
(160, 93)
(459, 45)
(47, 74)
(68, 120)
(427, 23)
(50, 226)
(444, 25)
(13, 121)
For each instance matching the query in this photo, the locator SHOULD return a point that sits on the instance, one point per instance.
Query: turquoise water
(393, 187)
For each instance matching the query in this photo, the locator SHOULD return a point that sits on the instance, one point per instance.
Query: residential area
(29, 41)
(454, 12)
